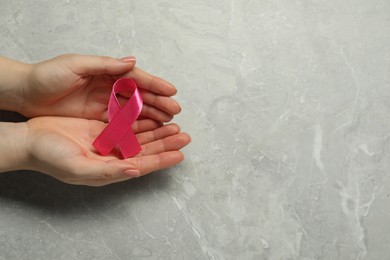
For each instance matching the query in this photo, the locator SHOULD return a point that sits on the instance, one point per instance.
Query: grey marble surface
(288, 104)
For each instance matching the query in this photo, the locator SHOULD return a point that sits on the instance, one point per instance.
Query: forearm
(13, 75)
(13, 146)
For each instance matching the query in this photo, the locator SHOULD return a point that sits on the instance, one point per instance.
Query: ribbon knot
(118, 131)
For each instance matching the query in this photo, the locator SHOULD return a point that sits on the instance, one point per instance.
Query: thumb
(85, 65)
(105, 170)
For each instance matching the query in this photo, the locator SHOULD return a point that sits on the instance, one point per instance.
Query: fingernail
(132, 173)
(129, 59)
(172, 88)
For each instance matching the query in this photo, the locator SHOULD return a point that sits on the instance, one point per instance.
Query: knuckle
(105, 175)
(105, 61)
(104, 58)
(68, 56)
(65, 55)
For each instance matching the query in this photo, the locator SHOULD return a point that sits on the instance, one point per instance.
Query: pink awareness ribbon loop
(118, 131)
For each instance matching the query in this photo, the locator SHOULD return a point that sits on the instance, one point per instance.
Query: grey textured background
(288, 105)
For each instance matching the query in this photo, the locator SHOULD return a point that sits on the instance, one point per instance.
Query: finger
(99, 182)
(170, 143)
(95, 128)
(152, 112)
(86, 65)
(166, 104)
(145, 125)
(145, 164)
(104, 116)
(139, 126)
(151, 163)
(122, 100)
(150, 82)
(89, 169)
(157, 134)
(155, 114)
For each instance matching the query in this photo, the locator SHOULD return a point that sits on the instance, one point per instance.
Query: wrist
(14, 152)
(13, 80)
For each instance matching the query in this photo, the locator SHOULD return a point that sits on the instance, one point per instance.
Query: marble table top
(288, 106)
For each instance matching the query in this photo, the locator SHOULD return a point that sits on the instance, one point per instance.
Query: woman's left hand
(62, 148)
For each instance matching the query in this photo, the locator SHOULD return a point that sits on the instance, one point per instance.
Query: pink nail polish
(132, 173)
(129, 59)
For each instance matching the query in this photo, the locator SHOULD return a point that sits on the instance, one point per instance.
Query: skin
(54, 92)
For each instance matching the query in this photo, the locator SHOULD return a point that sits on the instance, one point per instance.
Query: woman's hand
(62, 148)
(80, 85)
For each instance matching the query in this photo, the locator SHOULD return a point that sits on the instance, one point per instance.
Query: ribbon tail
(129, 145)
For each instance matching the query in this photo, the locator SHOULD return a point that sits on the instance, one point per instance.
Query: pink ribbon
(118, 131)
